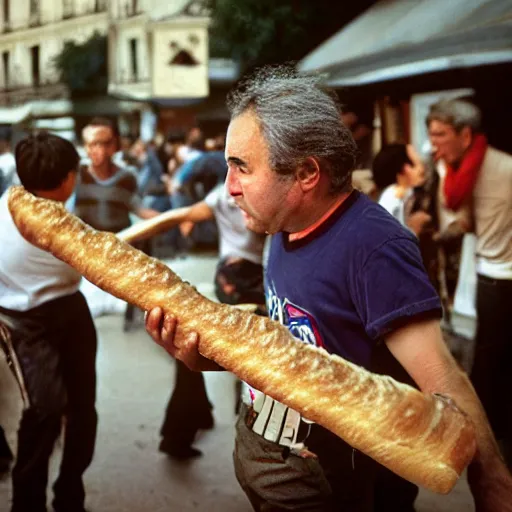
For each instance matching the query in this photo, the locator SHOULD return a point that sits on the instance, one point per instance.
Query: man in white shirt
(46, 325)
(7, 163)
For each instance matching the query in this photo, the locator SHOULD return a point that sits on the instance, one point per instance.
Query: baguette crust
(423, 438)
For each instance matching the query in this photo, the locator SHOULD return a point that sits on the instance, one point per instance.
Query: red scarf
(459, 183)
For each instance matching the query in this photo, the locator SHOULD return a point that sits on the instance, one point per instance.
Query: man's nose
(99, 150)
(232, 184)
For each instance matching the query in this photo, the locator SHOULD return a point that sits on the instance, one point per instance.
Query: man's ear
(68, 185)
(308, 174)
(466, 135)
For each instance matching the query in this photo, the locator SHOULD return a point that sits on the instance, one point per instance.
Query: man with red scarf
(479, 177)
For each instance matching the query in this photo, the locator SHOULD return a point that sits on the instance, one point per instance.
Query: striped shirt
(106, 204)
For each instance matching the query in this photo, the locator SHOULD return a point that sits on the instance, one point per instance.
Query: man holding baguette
(343, 275)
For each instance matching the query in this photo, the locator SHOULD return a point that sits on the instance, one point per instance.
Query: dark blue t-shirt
(349, 282)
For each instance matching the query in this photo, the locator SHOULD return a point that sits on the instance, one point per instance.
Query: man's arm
(421, 350)
(146, 213)
(164, 221)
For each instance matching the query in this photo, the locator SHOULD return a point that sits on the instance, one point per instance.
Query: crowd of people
(377, 296)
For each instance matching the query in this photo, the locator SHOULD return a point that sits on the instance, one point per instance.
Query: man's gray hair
(299, 119)
(457, 113)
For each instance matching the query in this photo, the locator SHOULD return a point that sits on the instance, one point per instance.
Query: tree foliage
(83, 67)
(257, 32)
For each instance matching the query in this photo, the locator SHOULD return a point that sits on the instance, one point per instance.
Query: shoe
(179, 453)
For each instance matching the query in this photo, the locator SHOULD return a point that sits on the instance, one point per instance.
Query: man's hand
(146, 213)
(417, 221)
(165, 331)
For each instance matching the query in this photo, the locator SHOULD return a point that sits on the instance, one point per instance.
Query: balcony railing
(132, 80)
(16, 95)
(70, 10)
(129, 10)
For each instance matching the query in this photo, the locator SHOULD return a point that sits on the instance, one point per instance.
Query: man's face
(194, 135)
(100, 144)
(448, 144)
(415, 173)
(265, 198)
(69, 185)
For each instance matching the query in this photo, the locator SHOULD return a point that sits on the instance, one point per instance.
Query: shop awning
(14, 115)
(400, 38)
(36, 109)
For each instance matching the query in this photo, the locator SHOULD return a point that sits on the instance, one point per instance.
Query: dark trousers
(493, 356)
(5, 451)
(188, 410)
(55, 348)
(339, 479)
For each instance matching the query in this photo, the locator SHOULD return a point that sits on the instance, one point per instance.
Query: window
(68, 9)
(100, 5)
(36, 77)
(7, 12)
(134, 65)
(34, 7)
(5, 62)
(34, 16)
(131, 8)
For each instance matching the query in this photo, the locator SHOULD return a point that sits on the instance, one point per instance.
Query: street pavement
(135, 379)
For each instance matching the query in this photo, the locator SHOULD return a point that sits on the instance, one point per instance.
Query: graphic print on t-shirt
(299, 321)
(271, 419)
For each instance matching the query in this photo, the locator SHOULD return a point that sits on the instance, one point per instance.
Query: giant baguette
(424, 438)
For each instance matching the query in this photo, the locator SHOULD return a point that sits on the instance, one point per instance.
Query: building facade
(32, 34)
(158, 54)
(158, 61)
(158, 49)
